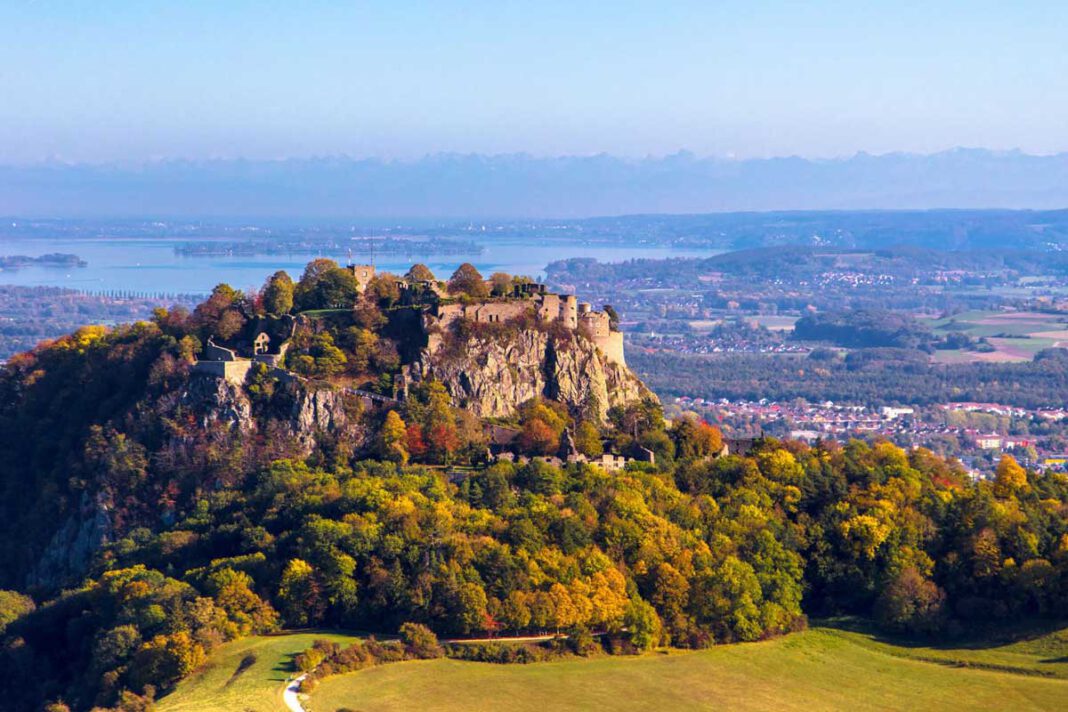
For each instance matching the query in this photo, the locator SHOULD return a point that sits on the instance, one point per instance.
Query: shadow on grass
(287, 667)
(983, 637)
(246, 662)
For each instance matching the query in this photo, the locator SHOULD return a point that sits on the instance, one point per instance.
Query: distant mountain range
(517, 186)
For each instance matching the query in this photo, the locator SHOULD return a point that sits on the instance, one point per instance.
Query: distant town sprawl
(976, 433)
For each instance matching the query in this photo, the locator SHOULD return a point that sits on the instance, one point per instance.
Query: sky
(136, 80)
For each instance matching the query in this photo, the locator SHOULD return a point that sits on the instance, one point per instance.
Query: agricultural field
(1016, 336)
(823, 668)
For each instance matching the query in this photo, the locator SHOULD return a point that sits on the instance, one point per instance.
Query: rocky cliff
(250, 430)
(491, 375)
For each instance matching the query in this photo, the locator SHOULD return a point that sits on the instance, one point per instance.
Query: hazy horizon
(131, 82)
(463, 186)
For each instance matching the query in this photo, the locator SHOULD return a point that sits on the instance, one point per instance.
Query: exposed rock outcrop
(303, 414)
(73, 546)
(491, 376)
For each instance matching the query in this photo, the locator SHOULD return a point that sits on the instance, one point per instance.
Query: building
(527, 299)
(233, 362)
(364, 274)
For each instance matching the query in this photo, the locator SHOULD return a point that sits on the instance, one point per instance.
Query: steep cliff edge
(491, 374)
(242, 432)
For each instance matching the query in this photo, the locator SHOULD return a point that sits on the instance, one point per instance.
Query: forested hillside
(150, 513)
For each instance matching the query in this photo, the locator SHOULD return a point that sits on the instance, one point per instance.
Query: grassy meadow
(825, 668)
(229, 682)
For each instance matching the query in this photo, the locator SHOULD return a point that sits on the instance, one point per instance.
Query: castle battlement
(527, 299)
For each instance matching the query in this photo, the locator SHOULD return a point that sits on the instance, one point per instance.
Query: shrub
(420, 642)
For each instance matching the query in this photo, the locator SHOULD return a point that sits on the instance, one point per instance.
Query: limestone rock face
(73, 545)
(216, 400)
(299, 413)
(317, 412)
(492, 376)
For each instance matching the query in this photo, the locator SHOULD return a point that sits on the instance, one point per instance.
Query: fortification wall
(494, 312)
(611, 345)
(598, 323)
(234, 372)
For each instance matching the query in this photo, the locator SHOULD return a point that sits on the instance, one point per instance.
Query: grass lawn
(225, 684)
(822, 669)
(1037, 652)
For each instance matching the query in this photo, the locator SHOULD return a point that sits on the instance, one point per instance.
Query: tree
(542, 423)
(911, 603)
(1010, 477)
(471, 607)
(613, 317)
(392, 438)
(501, 284)
(515, 611)
(467, 280)
(643, 625)
(232, 591)
(278, 293)
(209, 314)
(695, 438)
(539, 438)
(165, 660)
(13, 605)
(564, 612)
(336, 289)
(670, 591)
(325, 285)
(419, 641)
(383, 289)
(300, 595)
(419, 272)
(588, 439)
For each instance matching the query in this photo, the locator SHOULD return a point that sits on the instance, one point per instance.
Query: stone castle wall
(234, 372)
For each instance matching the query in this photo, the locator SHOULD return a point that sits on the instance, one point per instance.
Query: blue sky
(102, 80)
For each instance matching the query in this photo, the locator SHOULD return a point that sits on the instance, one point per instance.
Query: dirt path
(289, 694)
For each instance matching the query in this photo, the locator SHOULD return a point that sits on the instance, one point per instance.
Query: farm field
(1016, 336)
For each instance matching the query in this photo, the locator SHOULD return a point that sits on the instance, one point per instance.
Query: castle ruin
(525, 299)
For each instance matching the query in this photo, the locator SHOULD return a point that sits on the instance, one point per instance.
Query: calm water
(150, 264)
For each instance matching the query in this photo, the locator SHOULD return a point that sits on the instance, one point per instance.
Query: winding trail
(289, 694)
(292, 688)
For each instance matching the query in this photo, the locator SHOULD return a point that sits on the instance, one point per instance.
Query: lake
(150, 264)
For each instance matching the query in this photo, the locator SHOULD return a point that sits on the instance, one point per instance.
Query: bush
(420, 642)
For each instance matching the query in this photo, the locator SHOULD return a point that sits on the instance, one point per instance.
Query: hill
(824, 668)
(321, 455)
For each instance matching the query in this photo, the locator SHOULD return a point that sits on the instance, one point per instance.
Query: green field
(224, 684)
(1022, 334)
(822, 669)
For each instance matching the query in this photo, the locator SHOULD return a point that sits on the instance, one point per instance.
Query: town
(975, 433)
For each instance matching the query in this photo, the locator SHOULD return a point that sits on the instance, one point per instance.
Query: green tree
(588, 439)
(232, 591)
(165, 660)
(643, 624)
(300, 595)
(278, 293)
(13, 605)
(383, 289)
